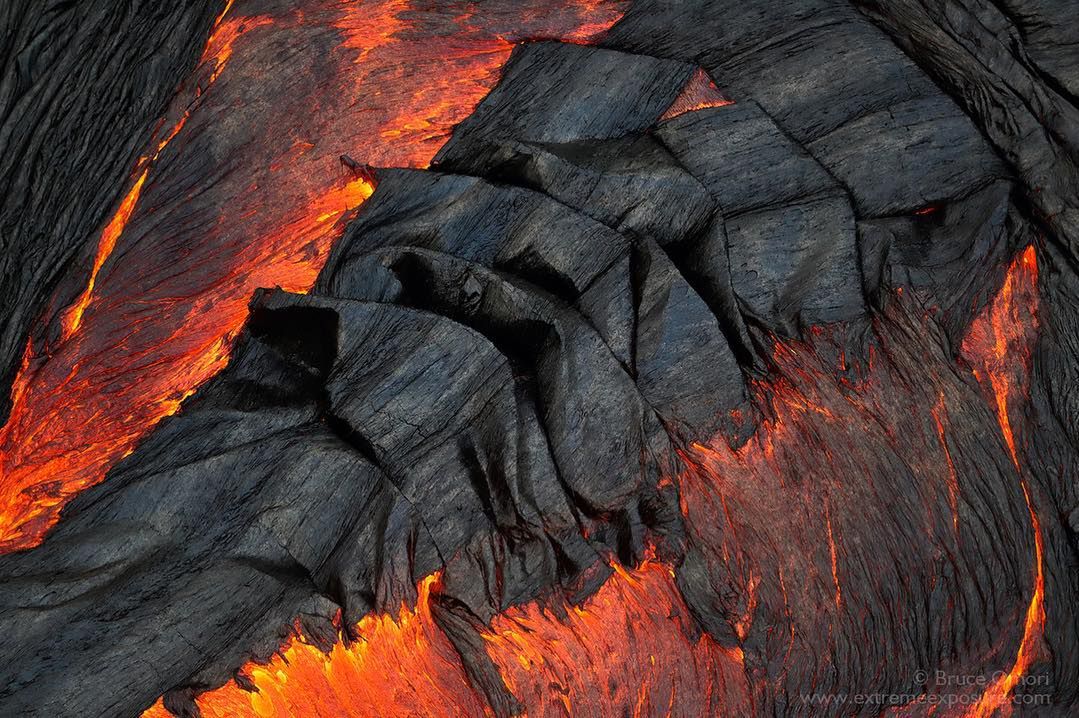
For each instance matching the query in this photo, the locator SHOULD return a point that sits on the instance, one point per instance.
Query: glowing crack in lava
(999, 346)
(628, 650)
(245, 189)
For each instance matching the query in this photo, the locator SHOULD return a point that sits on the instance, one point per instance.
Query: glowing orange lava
(217, 52)
(244, 190)
(629, 650)
(999, 342)
(107, 243)
(774, 507)
(401, 666)
(998, 347)
(632, 648)
(699, 93)
(996, 696)
(939, 418)
(835, 561)
(34, 487)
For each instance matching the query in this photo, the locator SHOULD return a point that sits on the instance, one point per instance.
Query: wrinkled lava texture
(517, 357)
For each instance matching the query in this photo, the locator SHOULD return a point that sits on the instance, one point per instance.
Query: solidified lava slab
(652, 358)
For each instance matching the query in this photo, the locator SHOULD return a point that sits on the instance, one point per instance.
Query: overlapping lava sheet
(81, 85)
(241, 186)
(622, 411)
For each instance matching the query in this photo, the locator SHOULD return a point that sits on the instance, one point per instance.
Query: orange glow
(953, 479)
(630, 649)
(995, 698)
(835, 561)
(777, 505)
(32, 490)
(400, 666)
(158, 314)
(57, 471)
(218, 50)
(105, 246)
(999, 342)
(698, 94)
(220, 46)
(998, 347)
(243, 191)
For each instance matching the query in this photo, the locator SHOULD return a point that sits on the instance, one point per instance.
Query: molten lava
(999, 342)
(400, 666)
(244, 190)
(217, 53)
(802, 481)
(998, 347)
(699, 93)
(631, 649)
(73, 318)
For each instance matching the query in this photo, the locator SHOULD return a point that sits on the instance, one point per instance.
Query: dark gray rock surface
(957, 254)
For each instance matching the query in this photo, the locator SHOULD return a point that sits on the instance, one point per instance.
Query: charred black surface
(835, 84)
(81, 86)
(503, 357)
(554, 92)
